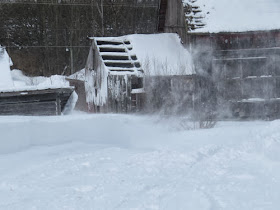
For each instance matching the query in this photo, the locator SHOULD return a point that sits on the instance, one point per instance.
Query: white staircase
(117, 55)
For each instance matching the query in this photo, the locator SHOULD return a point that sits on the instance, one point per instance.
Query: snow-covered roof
(24, 83)
(162, 54)
(15, 80)
(159, 54)
(239, 15)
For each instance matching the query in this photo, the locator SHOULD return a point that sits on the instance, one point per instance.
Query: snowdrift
(130, 162)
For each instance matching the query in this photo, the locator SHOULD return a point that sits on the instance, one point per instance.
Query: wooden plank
(35, 108)
(27, 98)
(58, 105)
(37, 92)
(39, 102)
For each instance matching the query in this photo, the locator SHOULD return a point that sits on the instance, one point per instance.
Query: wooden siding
(35, 102)
(79, 85)
(119, 93)
(49, 38)
(169, 94)
(245, 67)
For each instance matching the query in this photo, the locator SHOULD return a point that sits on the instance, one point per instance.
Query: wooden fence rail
(147, 3)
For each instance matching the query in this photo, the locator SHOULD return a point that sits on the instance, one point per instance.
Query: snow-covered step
(117, 61)
(111, 49)
(137, 64)
(122, 70)
(112, 46)
(105, 42)
(117, 54)
(126, 42)
(119, 64)
(115, 57)
(133, 57)
(125, 69)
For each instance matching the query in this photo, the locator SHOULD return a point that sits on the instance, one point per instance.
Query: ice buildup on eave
(239, 15)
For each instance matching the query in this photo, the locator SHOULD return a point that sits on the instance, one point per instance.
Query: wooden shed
(148, 73)
(113, 77)
(239, 50)
(246, 69)
(35, 102)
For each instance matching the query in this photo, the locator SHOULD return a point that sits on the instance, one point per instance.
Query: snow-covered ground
(132, 162)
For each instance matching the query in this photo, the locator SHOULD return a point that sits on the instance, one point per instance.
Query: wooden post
(58, 105)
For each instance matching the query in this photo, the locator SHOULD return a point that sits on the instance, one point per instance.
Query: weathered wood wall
(175, 21)
(35, 102)
(79, 85)
(169, 94)
(119, 93)
(245, 68)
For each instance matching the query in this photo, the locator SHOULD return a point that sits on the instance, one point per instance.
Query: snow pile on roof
(239, 15)
(54, 81)
(15, 80)
(22, 82)
(5, 73)
(79, 75)
(161, 54)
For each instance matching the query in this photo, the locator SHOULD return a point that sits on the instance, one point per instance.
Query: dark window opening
(136, 82)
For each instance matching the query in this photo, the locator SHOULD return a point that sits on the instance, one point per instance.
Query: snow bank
(161, 54)
(19, 132)
(5, 72)
(239, 15)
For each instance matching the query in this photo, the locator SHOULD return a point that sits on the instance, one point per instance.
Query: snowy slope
(129, 162)
(239, 15)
